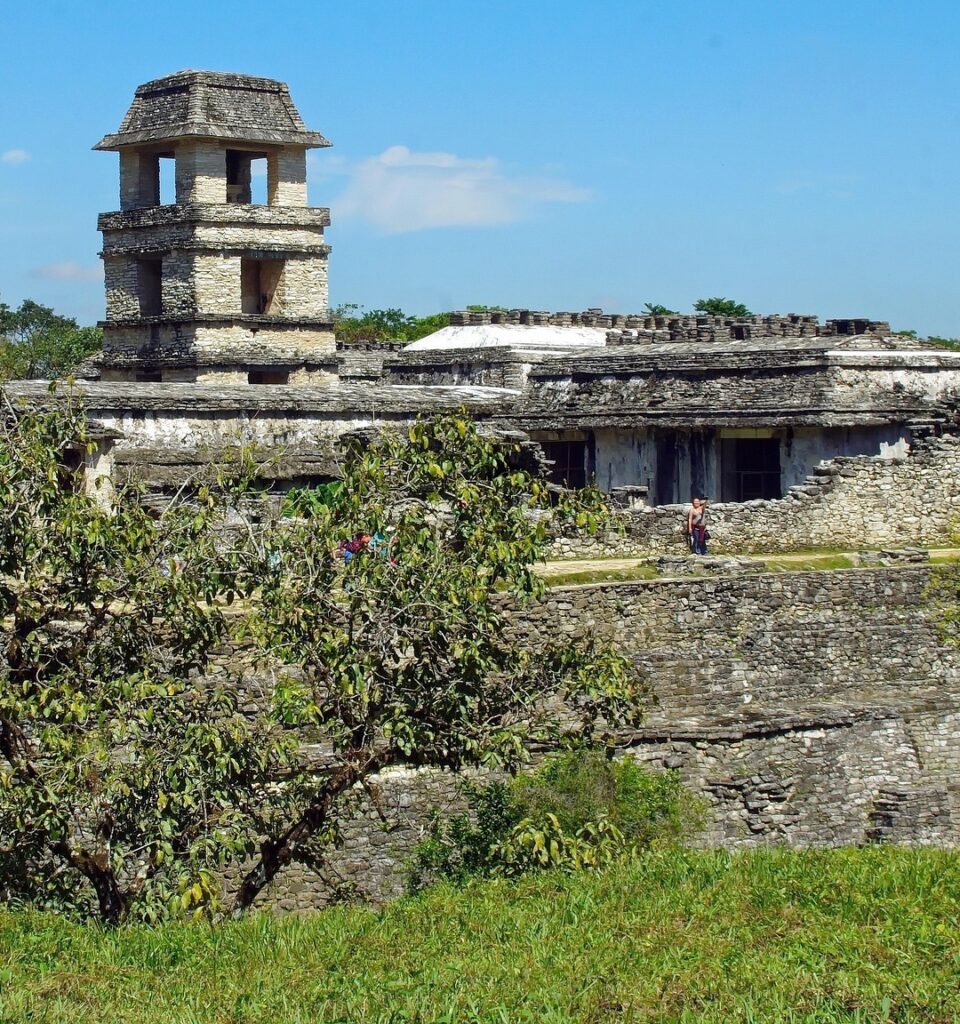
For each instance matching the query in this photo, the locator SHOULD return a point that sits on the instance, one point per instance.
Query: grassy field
(849, 935)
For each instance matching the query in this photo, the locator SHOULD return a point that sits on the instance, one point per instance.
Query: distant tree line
(37, 343)
(352, 324)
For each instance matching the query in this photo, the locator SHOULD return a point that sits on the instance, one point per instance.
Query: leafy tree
(36, 342)
(655, 309)
(126, 780)
(130, 777)
(721, 307)
(380, 325)
(404, 652)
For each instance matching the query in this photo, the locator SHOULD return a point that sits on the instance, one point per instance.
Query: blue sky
(799, 157)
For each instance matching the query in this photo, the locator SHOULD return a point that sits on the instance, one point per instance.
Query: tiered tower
(211, 286)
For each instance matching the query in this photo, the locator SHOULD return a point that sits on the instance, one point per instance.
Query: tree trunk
(113, 906)
(275, 853)
(112, 902)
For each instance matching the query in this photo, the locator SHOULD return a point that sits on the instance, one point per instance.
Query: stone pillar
(122, 284)
(139, 179)
(287, 177)
(201, 173)
(97, 472)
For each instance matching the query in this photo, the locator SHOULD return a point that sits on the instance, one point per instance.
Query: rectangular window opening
(258, 286)
(150, 287)
(148, 376)
(750, 468)
(268, 377)
(167, 170)
(569, 460)
(246, 177)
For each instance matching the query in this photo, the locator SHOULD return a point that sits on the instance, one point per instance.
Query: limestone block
(201, 172)
(287, 177)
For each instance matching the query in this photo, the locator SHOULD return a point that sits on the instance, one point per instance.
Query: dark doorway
(569, 460)
(665, 479)
(268, 377)
(750, 468)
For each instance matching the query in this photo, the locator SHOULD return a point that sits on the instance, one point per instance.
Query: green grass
(641, 571)
(845, 935)
(807, 563)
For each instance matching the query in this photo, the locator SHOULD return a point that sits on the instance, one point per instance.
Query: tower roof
(212, 105)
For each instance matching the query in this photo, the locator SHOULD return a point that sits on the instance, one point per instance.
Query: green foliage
(376, 325)
(721, 307)
(584, 785)
(905, 334)
(35, 342)
(655, 309)
(404, 653)
(309, 500)
(579, 809)
(125, 780)
(130, 777)
(798, 937)
(487, 309)
(466, 845)
(944, 342)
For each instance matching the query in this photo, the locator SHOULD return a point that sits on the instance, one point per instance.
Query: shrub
(718, 306)
(579, 809)
(299, 501)
(582, 786)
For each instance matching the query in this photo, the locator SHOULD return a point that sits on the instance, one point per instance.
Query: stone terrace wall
(805, 709)
(848, 503)
(363, 360)
(631, 328)
(794, 704)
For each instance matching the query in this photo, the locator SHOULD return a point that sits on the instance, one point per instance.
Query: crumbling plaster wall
(847, 503)
(628, 457)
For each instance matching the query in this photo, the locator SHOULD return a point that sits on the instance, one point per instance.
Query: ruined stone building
(218, 331)
(213, 287)
(806, 708)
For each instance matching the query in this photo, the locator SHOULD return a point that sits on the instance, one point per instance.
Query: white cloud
(68, 270)
(14, 156)
(400, 190)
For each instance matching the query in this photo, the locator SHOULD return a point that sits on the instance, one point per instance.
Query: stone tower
(210, 286)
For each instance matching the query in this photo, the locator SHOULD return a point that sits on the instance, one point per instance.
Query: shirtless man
(697, 526)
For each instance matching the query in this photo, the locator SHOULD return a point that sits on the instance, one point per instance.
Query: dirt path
(576, 566)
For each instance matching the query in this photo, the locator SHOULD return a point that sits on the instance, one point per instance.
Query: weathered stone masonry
(213, 287)
(806, 709)
(847, 503)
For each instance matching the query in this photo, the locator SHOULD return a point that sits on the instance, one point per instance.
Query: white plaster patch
(519, 337)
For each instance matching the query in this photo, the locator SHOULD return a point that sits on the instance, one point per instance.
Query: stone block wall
(363, 361)
(802, 709)
(468, 367)
(303, 288)
(122, 283)
(287, 177)
(848, 503)
(637, 328)
(201, 172)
